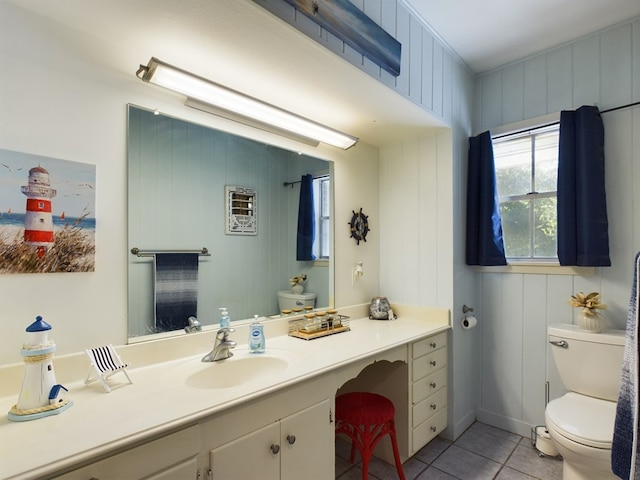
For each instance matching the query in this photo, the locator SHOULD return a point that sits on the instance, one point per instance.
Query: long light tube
(194, 87)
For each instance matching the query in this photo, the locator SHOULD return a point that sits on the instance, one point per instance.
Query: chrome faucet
(222, 346)
(194, 325)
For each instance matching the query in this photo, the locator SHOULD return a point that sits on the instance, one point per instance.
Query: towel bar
(150, 253)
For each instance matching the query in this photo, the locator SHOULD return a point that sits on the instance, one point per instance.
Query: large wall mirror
(177, 174)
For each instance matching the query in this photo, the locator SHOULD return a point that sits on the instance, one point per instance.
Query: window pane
(322, 199)
(324, 240)
(515, 227)
(513, 166)
(325, 197)
(545, 227)
(546, 162)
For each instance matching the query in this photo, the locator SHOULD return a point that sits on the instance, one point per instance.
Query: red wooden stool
(365, 418)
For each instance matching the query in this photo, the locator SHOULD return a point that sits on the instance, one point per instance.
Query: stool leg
(396, 452)
(366, 457)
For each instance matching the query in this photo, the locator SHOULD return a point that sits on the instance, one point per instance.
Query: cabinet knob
(433, 363)
(434, 429)
(433, 406)
(291, 439)
(433, 344)
(433, 385)
(275, 449)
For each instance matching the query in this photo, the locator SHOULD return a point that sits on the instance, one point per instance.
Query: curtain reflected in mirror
(177, 174)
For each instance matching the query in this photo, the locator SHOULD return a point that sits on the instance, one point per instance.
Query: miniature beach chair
(105, 362)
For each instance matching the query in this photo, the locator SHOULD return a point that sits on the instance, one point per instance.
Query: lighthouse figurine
(40, 395)
(38, 222)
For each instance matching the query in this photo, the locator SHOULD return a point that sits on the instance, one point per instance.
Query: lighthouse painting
(47, 220)
(38, 222)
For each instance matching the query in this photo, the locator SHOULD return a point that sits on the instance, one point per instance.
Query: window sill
(537, 269)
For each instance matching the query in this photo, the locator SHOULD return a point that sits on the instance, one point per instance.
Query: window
(526, 172)
(322, 208)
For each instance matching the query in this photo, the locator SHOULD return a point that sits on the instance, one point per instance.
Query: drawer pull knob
(275, 449)
(433, 344)
(432, 363)
(433, 385)
(291, 439)
(433, 406)
(434, 429)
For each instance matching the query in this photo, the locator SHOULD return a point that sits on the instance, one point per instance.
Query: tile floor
(481, 453)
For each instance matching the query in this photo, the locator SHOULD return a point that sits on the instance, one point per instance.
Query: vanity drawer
(426, 365)
(429, 344)
(429, 430)
(428, 386)
(172, 456)
(429, 407)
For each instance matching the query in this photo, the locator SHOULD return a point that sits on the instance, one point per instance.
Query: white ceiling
(489, 33)
(239, 44)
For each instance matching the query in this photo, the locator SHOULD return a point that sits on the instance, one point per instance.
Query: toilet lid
(583, 419)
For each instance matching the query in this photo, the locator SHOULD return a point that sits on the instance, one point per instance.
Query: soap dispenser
(225, 320)
(256, 336)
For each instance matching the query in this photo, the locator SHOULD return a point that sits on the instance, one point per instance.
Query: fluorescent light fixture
(213, 98)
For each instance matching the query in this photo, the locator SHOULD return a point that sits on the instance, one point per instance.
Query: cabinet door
(308, 445)
(255, 456)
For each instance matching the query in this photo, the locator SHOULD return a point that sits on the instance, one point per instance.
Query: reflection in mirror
(178, 172)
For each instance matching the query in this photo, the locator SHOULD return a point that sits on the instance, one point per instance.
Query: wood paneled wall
(601, 69)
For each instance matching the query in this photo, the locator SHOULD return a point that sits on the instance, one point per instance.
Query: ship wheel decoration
(359, 226)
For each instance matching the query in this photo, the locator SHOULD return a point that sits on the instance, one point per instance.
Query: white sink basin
(243, 368)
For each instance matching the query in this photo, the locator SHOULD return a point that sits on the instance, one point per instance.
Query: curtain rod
(286, 184)
(556, 123)
(620, 107)
(150, 253)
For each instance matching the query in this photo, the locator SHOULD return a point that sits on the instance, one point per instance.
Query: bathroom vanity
(271, 417)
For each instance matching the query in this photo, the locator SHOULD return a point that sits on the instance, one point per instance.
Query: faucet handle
(224, 332)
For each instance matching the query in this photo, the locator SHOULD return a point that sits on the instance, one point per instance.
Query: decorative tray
(318, 325)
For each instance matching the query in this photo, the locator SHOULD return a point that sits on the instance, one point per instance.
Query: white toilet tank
(588, 363)
(289, 301)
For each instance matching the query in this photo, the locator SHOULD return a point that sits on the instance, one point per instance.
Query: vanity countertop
(159, 400)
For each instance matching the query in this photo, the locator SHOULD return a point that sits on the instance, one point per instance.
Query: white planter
(594, 322)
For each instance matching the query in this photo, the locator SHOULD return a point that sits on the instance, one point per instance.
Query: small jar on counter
(310, 324)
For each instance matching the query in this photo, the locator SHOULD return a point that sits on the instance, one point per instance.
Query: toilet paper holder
(468, 321)
(541, 441)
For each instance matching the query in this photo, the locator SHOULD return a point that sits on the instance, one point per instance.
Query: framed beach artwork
(47, 214)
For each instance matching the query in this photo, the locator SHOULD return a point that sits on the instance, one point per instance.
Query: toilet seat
(581, 419)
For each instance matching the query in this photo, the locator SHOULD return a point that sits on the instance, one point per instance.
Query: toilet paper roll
(469, 322)
(544, 444)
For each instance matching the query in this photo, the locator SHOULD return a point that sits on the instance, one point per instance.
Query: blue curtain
(485, 245)
(583, 227)
(306, 221)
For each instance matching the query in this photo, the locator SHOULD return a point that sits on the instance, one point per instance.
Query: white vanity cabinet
(297, 446)
(172, 457)
(231, 431)
(428, 383)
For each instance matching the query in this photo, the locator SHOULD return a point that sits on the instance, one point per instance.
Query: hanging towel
(175, 290)
(624, 450)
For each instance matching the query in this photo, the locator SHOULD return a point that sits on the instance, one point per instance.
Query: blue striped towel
(175, 290)
(624, 450)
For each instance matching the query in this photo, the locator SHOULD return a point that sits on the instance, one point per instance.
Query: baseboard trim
(452, 432)
(505, 423)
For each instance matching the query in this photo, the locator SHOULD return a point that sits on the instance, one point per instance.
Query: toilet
(289, 301)
(580, 423)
